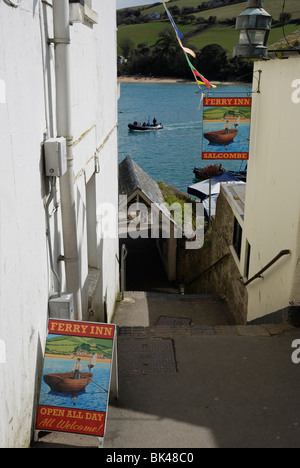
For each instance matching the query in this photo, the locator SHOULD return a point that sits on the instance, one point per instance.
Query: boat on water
(221, 137)
(145, 127)
(215, 170)
(65, 382)
(207, 172)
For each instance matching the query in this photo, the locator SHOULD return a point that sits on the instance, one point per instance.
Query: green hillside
(199, 34)
(68, 345)
(274, 7)
(219, 113)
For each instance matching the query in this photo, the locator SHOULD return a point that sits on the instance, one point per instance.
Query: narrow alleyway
(190, 378)
(144, 267)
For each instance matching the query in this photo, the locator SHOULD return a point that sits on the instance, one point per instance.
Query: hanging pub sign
(78, 366)
(226, 128)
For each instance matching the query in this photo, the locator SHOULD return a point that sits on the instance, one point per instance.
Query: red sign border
(55, 418)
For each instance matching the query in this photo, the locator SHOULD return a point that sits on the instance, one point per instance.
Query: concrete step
(172, 332)
(147, 309)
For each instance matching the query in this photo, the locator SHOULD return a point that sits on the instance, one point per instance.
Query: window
(247, 259)
(237, 237)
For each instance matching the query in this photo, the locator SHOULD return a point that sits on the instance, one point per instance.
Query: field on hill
(226, 36)
(274, 7)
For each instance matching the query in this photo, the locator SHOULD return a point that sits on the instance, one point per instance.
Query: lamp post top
(255, 3)
(254, 24)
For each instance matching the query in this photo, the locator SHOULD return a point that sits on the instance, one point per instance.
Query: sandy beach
(72, 357)
(146, 79)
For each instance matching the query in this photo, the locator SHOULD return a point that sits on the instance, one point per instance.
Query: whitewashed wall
(272, 215)
(95, 125)
(27, 116)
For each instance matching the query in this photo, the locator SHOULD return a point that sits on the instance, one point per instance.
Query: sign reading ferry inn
(226, 128)
(78, 369)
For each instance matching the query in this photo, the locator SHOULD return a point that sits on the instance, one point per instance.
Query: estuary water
(171, 154)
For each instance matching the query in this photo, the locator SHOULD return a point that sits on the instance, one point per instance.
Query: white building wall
(24, 270)
(27, 117)
(95, 99)
(272, 217)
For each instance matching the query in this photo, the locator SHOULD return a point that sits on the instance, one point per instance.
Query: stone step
(150, 309)
(267, 330)
(171, 296)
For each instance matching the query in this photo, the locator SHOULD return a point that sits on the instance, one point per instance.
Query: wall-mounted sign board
(78, 373)
(226, 128)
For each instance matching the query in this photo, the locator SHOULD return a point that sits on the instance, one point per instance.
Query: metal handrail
(208, 269)
(124, 252)
(259, 274)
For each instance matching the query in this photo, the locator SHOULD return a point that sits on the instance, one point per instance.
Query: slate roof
(132, 178)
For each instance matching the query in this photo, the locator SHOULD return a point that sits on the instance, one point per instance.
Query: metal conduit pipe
(48, 232)
(61, 24)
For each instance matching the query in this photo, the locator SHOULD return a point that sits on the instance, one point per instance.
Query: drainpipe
(61, 26)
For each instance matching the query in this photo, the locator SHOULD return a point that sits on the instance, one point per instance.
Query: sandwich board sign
(79, 372)
(226, 128)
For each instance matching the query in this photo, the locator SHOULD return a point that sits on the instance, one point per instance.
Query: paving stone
(226, 330)
(203, 330)
(146, 356)
(276, 329)
(251, 330)
(173, 321)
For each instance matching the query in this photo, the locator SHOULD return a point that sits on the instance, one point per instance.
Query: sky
(133, 3)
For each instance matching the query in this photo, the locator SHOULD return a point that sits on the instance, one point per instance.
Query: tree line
(166, 59)
(137, 15)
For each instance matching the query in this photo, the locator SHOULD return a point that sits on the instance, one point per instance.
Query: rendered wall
(27, 118)
(273, 191)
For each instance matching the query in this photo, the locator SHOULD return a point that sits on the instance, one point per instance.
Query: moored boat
(65, 382)
(220, 137)
(208, 171)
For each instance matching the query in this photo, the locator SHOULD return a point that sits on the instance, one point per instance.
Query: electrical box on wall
(55, 157)
(62, 307)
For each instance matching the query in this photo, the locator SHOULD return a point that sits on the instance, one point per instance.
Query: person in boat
(93, 362)
(154, 121)
(237, 122)
(226, 127)
(77, 368)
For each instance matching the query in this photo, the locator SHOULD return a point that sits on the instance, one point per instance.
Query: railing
(124, 252)
(259, 274)
(208, 269)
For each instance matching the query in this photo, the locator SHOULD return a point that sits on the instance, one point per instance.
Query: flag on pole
(200, 79)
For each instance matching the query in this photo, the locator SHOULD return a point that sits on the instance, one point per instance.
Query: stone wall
(223, 278)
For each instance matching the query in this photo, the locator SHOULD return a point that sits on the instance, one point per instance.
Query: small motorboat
(215, 170)
(221, 137)
(207, 172)
(65, 382)
(145, 127)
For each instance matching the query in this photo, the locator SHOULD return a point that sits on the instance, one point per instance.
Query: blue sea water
(171, 154)
(92, 398)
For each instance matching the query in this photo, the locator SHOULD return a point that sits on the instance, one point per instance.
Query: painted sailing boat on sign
(226, 128)
(76, 377)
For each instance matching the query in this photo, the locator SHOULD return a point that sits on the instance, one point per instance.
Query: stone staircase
(144, 309)
(150, 324)
(150, 314)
